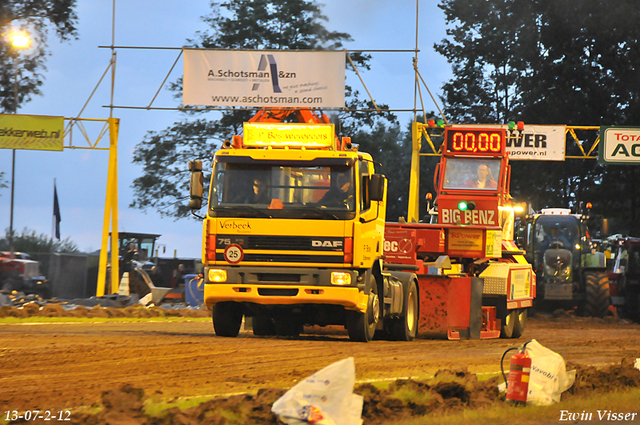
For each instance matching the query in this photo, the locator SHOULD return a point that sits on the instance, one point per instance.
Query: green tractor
(569, 271)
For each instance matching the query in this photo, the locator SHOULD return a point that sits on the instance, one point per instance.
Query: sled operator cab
(472, 180)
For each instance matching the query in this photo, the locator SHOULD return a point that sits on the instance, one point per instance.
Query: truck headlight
(217, 275)
(340, 278)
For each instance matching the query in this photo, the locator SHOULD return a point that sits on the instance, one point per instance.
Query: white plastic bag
(324, 398)
(549, 377)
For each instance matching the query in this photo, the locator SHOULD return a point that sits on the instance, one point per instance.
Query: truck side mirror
(376, 187)
(196, 186)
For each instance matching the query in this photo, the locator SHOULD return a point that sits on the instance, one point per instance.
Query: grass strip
(583, 410)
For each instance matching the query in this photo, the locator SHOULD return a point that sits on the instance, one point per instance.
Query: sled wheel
(406, 327)
(227, 319)
(520, 323)
(362, 326)
(597, 300)
(508, 319)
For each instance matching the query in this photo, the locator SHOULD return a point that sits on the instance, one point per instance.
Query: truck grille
(280, 242)
(278, 292)
(277, 258)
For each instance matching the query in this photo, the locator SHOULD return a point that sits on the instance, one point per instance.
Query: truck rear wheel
(597, 299)
(227, 319)
(405, 328)
(362, 326)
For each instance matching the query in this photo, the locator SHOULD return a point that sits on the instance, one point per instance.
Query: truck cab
(293, 232)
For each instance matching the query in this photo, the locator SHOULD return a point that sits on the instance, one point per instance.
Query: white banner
(264, 78)
(537, 142)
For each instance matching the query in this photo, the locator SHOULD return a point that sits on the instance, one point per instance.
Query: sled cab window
(471, 173)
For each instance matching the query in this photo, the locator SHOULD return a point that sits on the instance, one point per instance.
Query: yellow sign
(494, 244)
(520, 279)
(35, 132)
(280, 135)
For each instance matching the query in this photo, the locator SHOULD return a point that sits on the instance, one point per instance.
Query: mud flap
(475, 313)
(464, 308)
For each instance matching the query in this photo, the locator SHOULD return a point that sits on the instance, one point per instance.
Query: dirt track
(52, 366)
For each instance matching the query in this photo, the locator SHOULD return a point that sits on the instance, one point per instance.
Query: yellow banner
(309, 135)
(34, 132)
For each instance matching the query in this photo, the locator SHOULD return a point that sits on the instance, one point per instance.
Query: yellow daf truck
(293, 236)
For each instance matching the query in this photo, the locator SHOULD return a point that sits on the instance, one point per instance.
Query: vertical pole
(114, 125)
(413, 212)
(110, 212)
(113, 164)
(102, 267)
(13, 179)
(111, 199)
(13, 165)
(53, 217)
(415, 63)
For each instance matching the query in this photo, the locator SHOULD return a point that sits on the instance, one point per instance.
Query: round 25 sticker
(233, 253)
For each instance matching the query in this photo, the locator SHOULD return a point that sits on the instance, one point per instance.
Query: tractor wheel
(263, 326)
(406, 327)
(227, 319)
(362, 326)
(597, 299)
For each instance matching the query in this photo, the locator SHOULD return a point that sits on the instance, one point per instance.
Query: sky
(75, 67)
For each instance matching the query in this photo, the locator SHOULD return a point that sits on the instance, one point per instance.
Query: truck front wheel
(362, 326)
(227, 319)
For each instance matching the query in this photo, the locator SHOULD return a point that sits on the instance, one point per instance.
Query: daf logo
(326, 244)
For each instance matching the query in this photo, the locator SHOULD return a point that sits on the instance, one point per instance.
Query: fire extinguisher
(519, 372)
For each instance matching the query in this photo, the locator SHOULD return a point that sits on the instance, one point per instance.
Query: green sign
(619, 145)
(33, 132)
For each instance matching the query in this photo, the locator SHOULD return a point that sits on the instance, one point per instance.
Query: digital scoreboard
(475, 140)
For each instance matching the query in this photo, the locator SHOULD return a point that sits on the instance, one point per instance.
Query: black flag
(56, 211)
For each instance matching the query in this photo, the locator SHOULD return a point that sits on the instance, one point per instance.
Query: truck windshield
(256, 190)
(471, 173)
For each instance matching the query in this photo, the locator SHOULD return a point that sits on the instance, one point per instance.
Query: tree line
(570, 62)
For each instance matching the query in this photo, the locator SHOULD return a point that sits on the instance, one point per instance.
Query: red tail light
(348, 250)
